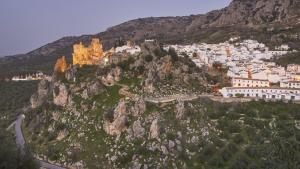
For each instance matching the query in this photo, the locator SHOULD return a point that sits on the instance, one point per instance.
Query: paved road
(181, 97)
(19, 135)
(21, 144)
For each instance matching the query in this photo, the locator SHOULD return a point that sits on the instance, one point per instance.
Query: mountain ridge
(239, 18)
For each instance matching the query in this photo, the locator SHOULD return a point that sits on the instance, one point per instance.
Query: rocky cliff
(247, 18)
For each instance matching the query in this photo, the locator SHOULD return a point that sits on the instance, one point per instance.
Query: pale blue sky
(28, 24)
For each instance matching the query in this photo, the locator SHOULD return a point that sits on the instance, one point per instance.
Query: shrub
(148, 58)
(238, 95)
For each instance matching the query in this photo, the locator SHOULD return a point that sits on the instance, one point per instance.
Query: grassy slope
(13, 96)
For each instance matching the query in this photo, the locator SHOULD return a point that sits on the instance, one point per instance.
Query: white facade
(246, 82)
(262, 93)
(293, 68)
(290, 84)
(127, 49)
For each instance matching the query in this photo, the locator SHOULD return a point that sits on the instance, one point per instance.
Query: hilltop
(146, 112)
(271, 22)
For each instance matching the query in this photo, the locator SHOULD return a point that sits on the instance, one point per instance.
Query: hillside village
(152, 108)
(247, 64)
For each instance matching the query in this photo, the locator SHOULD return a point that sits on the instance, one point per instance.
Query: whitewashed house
(261, 93)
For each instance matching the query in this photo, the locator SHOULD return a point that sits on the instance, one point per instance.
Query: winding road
(179, 97)
(21, 144)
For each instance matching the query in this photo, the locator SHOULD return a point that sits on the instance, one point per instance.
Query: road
(180, 97)
(21, 144)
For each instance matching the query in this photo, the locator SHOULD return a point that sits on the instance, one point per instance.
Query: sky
(28, 24)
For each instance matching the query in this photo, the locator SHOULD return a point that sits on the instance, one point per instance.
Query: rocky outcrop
(180, 110)
(155, 129)
(71, 73)
(117, 126)
(139, 107)
(60, 94)
(119, 122)
(92, 89)
(138, 129)
(254, 12)
(120, 109)
(41, 95)
(112, 77)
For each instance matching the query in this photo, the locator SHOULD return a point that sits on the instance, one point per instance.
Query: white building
(290, 84)
(261, 93)
(246, 82)
(293, 68)
(128, 49)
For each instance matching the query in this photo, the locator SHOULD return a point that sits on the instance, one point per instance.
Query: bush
(238, 95)
(173, 55)
(148, 58)
(238, 139)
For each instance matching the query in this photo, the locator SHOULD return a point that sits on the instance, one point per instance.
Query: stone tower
(91, 55)
(61, 65)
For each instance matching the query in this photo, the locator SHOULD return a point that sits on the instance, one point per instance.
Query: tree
(10, 156)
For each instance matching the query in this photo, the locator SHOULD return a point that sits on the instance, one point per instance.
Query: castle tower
(61, 65)
(96, 45)
(91, 55)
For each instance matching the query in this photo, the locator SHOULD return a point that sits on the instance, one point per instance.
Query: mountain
(270, 21)
(153, 111)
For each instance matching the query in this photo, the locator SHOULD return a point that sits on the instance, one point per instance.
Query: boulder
(138, 130)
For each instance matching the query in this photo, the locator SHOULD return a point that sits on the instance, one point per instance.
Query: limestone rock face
(60, 94)
(92, 89)
(256, 12)
(120, 120)
(138, 130)
(112, 77)
(41, 95)
(139, 108)
(71, 73)
(164, 67)
(120, 109)
(155, 129)
(152, 78)
(180, 110)
(117, 126)
(62, 134)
